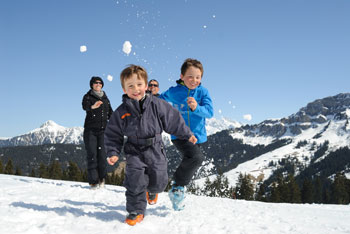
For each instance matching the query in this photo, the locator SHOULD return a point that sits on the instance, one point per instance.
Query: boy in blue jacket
(142, 118)
(195, 105)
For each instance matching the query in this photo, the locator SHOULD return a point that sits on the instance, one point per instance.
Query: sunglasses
(152, 85)
(98, 83)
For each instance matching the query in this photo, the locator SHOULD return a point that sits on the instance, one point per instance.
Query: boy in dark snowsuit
(195, 105)
(142, 118)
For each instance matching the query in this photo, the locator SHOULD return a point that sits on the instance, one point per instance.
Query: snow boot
(93, 186)
(133, 218)
(152, 198)
(102, 183)
(177, 196)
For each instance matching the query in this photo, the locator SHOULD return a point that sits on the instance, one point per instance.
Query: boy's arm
(165, 96)
(206, 109)
(172, 121)
(113, 136)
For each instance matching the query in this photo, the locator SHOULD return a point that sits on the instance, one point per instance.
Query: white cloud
(109, 77)
(247, 117)
(127, 47)
(83, 48)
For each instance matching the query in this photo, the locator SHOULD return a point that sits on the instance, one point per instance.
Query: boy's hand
(193, 139)
(192, 103)
(96, 105)
(113, 159)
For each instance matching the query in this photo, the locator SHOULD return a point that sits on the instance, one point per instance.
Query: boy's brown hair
(191, 62)
(133, 69)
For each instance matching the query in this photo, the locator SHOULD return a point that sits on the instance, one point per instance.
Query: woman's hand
(96, 105)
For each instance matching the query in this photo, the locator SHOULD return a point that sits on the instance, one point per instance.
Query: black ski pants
(191, 161)
(96, 155)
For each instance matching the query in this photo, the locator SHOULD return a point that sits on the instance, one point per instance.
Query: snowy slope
(336, 132)
(32, 205)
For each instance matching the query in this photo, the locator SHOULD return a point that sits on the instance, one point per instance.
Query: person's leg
(90, 141)
(135, 183)
(157, 169)
(101, 157)
(191, 161)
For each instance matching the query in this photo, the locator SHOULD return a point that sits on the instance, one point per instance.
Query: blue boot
(177, 196)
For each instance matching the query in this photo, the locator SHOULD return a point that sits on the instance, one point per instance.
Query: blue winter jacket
(177, 96)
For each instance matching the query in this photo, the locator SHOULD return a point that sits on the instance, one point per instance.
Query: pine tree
(307, 192)
(18, 171)
(260, 192)
(1, 167)
(294, 190)
(339, 195)
(32, 173)
(9, 168)
(244, 188)
(55, 170)
(73, 172)
(318, 194)
(43, 171)
(275, 193)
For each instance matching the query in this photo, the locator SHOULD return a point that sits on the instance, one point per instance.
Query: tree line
(57, 172)
(284, 189)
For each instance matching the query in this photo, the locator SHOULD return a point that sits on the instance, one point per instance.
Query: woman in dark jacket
(98, 111)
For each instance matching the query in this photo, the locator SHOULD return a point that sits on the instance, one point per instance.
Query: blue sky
(263, 58)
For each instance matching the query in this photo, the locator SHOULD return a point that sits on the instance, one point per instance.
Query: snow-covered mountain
(48, 133)
(322, 124)
(52, 133)
(33, 205)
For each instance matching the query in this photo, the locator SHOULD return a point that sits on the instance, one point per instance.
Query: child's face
(134, 87)
(192, 77)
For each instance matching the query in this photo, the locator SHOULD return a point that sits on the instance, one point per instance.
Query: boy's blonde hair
(191, 63)
(133, 69)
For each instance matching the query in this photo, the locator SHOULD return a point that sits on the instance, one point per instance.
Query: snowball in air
(83, 49)
(109, 77)
(127, 47)
(247, 117)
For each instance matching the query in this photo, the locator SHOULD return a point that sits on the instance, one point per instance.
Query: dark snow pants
(146, 170)
(96, 155)
(191, 161)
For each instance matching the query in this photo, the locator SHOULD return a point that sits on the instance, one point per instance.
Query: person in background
(142, 118)
(195, 105)
(98, 111)
(153, 87)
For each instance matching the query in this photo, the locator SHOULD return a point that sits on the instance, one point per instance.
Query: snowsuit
(192, 156)
(94, 126)
(146, 164)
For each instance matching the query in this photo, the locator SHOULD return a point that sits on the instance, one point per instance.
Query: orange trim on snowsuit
(125, 115)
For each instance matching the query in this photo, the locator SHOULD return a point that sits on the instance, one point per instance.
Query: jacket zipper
(188, 110)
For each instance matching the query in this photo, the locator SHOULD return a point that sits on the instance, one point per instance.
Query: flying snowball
(127, 47)
(109, 77)
(247, 117)
(83, 49)
(205, 26)
(220, 111)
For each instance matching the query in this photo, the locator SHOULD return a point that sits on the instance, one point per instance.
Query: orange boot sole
(132, 222)
(152, 202)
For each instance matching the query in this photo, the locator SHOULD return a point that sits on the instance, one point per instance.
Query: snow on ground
(32, 205)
